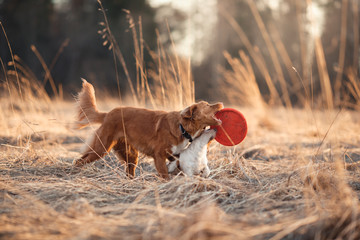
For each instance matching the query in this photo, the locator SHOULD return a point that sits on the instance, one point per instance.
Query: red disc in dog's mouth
(233, 129)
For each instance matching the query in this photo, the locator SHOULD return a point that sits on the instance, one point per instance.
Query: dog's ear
(188, 112)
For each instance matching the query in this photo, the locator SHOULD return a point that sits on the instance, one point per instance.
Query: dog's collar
(185, 133)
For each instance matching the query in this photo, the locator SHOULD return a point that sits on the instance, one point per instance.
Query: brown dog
(127, 130)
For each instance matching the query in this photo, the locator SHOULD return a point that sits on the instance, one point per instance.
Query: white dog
(193, 160)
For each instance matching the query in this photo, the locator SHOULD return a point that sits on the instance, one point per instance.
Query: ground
(295, 176)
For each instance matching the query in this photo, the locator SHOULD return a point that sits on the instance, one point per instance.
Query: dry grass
(171, 80)
(296, 175)
(333, 93)
(282, 182)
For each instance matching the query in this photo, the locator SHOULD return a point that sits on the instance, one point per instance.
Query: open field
(294, 177)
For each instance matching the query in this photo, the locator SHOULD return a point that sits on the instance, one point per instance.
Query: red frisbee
(233, 129)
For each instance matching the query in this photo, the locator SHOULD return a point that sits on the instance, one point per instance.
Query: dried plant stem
(283, 54)
(177, 64)
(140, 87)
(274, 95)
(340, 71)
(29, 74)
(353, 87)
(272, 52)
(302, 41)
(160, 72)
(326, 91)
(63, 45)
(13, 61)
(7, 85)
(47, 71)
(355, 7)
(116, 53)
(327, 131)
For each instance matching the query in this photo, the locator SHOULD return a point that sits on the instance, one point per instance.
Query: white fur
(85, 147)
(179, 148)
(193, 160)
(172, 166)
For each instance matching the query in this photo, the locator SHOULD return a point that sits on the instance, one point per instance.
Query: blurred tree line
(49, 24)
(68, 31)
(292, 27)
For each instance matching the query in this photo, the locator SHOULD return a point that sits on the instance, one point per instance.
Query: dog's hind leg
(98, 148)
(129, 154)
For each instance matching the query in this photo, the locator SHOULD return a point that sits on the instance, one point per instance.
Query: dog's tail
(87, 111)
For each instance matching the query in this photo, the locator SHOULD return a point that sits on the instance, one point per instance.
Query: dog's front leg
(172, 166)
(160, 164)
(205, 172)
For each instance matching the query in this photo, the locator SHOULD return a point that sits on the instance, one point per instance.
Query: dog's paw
(205, 172)
(76, 163)
(172, 166)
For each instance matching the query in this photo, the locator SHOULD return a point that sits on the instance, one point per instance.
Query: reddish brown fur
(128, 130)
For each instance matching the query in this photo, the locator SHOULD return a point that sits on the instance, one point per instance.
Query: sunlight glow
(315, 16)
(201, 19)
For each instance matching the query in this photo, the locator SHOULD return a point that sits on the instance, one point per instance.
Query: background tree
(47, 25)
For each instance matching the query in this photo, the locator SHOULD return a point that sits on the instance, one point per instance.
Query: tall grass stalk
(285, 94)
(326, 90)
(286, 60)
(355, 8)
(245, 90)
(7, 86)
(12, 57)
(332, 92)
(353, 86)
(305, 60)
(259, 61)
(30, 89)
(109, 40)
(47, 71)
(342, 48)
(166, 83)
